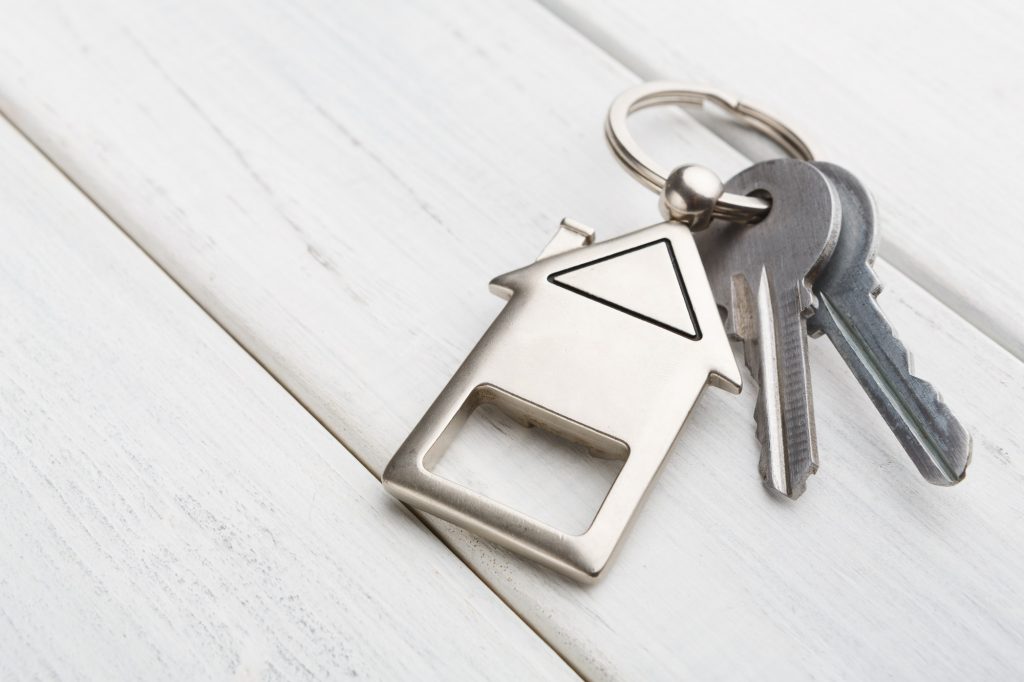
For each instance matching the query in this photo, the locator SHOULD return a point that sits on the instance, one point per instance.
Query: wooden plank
(170, 512)
(922, 103)
(337, 184)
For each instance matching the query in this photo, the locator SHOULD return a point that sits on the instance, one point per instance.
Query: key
(848, 313)
(763, 275)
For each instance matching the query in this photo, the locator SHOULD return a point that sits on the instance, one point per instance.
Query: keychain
(610, 344)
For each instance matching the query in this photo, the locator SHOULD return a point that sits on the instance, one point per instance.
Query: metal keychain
(610, 344)
(606, 344)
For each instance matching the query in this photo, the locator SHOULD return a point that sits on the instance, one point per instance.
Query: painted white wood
(336, 183)
(923, 101)
(168, 511)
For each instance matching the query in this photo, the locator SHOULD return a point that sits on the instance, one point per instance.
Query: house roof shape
(654, 292)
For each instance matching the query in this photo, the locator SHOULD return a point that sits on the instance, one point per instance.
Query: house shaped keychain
(608, 345)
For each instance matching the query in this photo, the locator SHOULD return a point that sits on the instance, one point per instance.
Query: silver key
(848, 313)
(763, 274)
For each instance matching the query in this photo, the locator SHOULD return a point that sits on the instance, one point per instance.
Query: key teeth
(808, 301)
(740, 324)
(935, 440)
(930, 395)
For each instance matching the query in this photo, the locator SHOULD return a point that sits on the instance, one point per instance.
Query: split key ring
(731, 207)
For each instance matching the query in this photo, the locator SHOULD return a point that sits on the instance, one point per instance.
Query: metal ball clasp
(688, 186)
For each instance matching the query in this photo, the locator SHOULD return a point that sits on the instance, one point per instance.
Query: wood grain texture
(170, 512)
(922, 102)
(337, 183)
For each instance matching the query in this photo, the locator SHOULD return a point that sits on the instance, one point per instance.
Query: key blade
(937, 443)
(784, 413)
(764, 274)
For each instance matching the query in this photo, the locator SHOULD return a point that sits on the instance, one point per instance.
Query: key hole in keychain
(553, 478)
(761, 194)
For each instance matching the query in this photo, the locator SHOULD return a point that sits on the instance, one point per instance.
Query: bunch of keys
(610, 344)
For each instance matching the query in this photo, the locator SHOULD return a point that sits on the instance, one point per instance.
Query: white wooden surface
(924, 101)
(170, 512)
(336, 184)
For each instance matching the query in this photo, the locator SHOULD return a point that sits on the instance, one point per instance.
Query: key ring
(732, 207)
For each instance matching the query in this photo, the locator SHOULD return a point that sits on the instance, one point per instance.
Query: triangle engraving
(643, 281)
